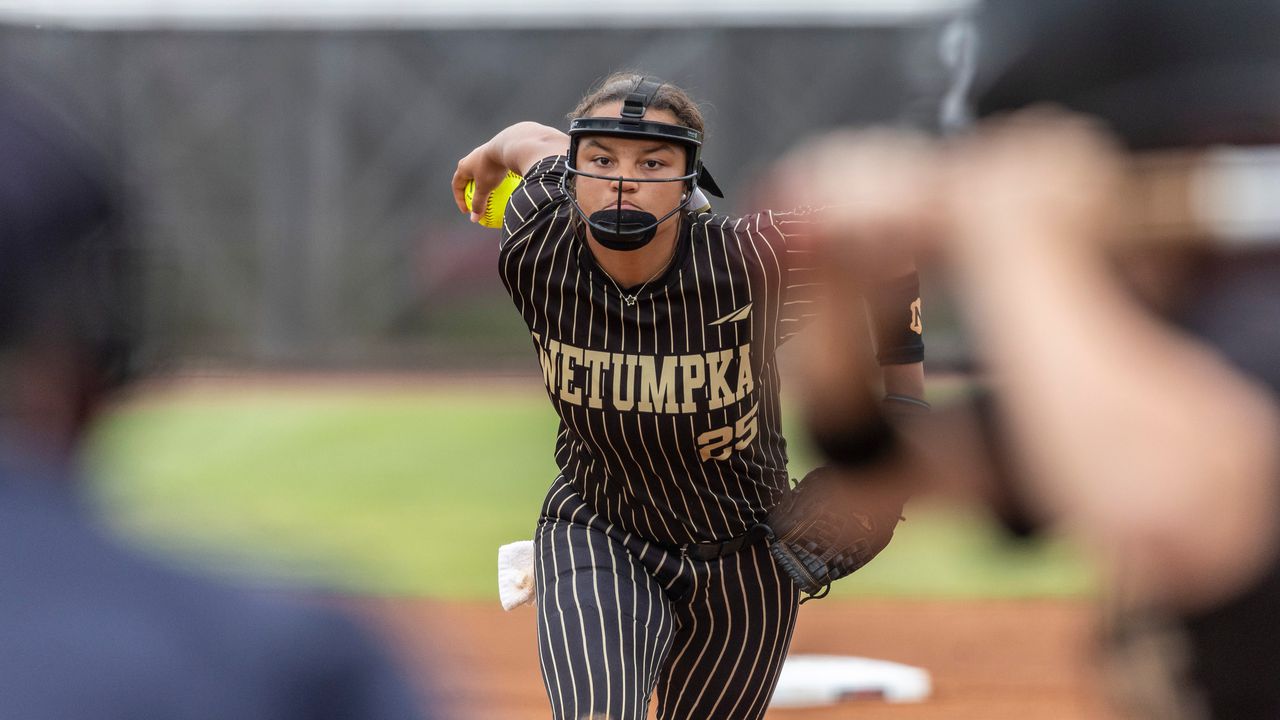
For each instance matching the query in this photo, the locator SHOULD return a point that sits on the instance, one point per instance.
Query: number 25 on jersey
(719, 443)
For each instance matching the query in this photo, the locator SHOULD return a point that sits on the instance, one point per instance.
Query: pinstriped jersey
(670, 425)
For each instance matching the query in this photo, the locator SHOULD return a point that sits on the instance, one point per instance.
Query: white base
(809, 680)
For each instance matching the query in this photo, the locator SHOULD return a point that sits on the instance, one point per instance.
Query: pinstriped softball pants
(620, 618)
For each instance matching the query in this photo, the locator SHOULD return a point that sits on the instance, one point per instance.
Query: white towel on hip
(515, 574)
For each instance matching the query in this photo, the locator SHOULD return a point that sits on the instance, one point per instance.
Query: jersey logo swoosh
(741, 313)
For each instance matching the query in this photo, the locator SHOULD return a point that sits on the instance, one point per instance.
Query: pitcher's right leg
(604, 624)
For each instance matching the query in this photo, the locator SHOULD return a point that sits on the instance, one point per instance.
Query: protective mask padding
(623, 229)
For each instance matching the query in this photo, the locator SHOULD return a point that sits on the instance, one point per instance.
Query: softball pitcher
(656, 328)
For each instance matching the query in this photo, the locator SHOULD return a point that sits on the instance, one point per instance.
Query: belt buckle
(694, 550)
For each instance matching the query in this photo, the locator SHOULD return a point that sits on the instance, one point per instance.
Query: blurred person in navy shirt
(88, 627)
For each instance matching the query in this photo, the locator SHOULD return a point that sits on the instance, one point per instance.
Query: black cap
(52, 202)
(1161, 73)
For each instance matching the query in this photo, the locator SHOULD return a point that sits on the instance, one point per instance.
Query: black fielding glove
(823, 531)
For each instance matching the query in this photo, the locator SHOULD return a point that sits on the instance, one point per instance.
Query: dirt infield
(1027, 660)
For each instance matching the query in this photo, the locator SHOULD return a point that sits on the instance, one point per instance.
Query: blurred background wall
(288, 173)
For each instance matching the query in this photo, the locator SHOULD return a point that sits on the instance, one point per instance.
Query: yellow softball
(497, 204)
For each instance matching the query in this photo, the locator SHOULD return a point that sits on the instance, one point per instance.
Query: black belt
(716, 550)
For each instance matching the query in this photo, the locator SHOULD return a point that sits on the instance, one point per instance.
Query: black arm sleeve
(896, 321)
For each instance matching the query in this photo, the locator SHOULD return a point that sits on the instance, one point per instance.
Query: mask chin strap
(708, 183)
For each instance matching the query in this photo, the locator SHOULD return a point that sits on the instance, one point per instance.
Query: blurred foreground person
(1117, 257)
(88, 628)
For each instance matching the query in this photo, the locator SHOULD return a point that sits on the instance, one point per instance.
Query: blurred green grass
(410, 490)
